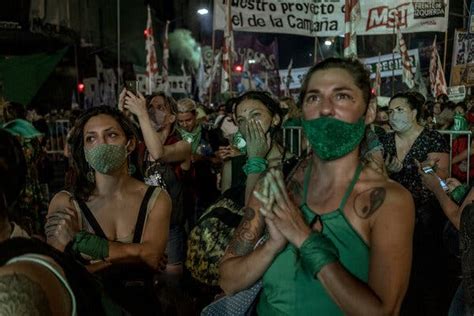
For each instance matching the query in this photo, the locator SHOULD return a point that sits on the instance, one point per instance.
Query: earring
(90, 175)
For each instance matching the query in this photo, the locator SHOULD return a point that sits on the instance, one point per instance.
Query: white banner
(378, 16)
(388, 63)
(178, 84)
(326, 17)
(457, 93)
(462, 66)
(298, 17)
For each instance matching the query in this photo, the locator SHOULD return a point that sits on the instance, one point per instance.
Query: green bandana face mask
(331, 138)
(105, 158)
(460, 124)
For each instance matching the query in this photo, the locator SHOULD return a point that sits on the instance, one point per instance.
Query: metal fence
(58, 131)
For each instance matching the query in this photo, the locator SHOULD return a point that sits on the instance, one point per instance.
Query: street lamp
(203, 11)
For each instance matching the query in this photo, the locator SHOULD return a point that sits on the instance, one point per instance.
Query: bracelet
(255, 165)
(458, 194)
(90, 245)
(316, 252)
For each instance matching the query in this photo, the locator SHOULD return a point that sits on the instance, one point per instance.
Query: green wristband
(459, 193)
(91, 245)
(316, 252)
(255, 165)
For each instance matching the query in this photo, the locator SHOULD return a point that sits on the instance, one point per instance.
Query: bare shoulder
(60, 201)
(379, 197)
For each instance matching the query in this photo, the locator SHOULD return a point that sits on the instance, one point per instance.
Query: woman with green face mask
(338, 234)
(114, 223)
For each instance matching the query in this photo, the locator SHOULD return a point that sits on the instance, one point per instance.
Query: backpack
(208, 240)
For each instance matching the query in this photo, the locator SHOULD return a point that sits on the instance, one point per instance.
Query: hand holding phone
(132, 86)
(429, 170)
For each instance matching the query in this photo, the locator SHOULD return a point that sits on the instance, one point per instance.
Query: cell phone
(429, 170)
(131, 85)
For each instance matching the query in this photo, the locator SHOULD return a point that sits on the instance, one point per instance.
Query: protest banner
(326, 17)
(177, 84)
(462, 65)
(456, 93)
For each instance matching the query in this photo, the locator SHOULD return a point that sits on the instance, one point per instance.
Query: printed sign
(462, 69)
(326, 17)
(299, 17)
(457, 93)
(178, 84)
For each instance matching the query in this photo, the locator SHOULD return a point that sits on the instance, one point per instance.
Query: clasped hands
(284, 220)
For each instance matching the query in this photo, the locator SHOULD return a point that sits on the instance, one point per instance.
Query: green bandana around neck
(105, 158)
(331, 138)
(194, 137)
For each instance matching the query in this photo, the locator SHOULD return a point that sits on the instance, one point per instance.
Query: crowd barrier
(294, 140)
(58, 131)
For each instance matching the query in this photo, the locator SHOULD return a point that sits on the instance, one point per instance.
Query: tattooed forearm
(244, 237)
(368, 202)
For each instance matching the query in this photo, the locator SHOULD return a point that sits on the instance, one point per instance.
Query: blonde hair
(186, 105)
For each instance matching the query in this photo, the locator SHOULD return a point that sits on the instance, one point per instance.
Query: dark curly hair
(354, 67)
(81, 187)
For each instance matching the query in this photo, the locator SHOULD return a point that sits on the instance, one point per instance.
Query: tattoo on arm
(22, 296)
(366, 207)
(245, 237)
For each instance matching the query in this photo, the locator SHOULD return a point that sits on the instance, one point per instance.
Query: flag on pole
(378, 78)
(288, 78)
(151, 62)
(437, 79)
(226, 51)
(407, 73)
(351, 19)
(166, 55)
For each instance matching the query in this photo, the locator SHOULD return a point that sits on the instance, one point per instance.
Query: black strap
(137, 236)
(91, 219)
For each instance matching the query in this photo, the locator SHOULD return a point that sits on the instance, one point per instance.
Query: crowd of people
(170, 207)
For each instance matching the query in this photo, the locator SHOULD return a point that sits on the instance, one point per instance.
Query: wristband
(255, 165)
(316, 252)
(90, 245)
(458, 194)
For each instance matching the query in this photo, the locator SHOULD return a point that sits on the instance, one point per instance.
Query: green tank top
(289, 290)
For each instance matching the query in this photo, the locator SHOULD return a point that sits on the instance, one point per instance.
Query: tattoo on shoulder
(369, 201)
(22, 296)
(244, 237)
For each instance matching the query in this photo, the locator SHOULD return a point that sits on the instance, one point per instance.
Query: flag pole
(393, 61)
(118, 49)
(229, 28)
(316, 42)
(445, 49)
(213, 45)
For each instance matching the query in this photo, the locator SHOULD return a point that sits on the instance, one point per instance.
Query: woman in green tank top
(339, 235)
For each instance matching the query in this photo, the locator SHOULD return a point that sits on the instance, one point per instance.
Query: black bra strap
(137, 236)
(91, 219)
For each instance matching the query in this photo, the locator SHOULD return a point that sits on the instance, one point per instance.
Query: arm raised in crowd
(154, 141)
(63, 226)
